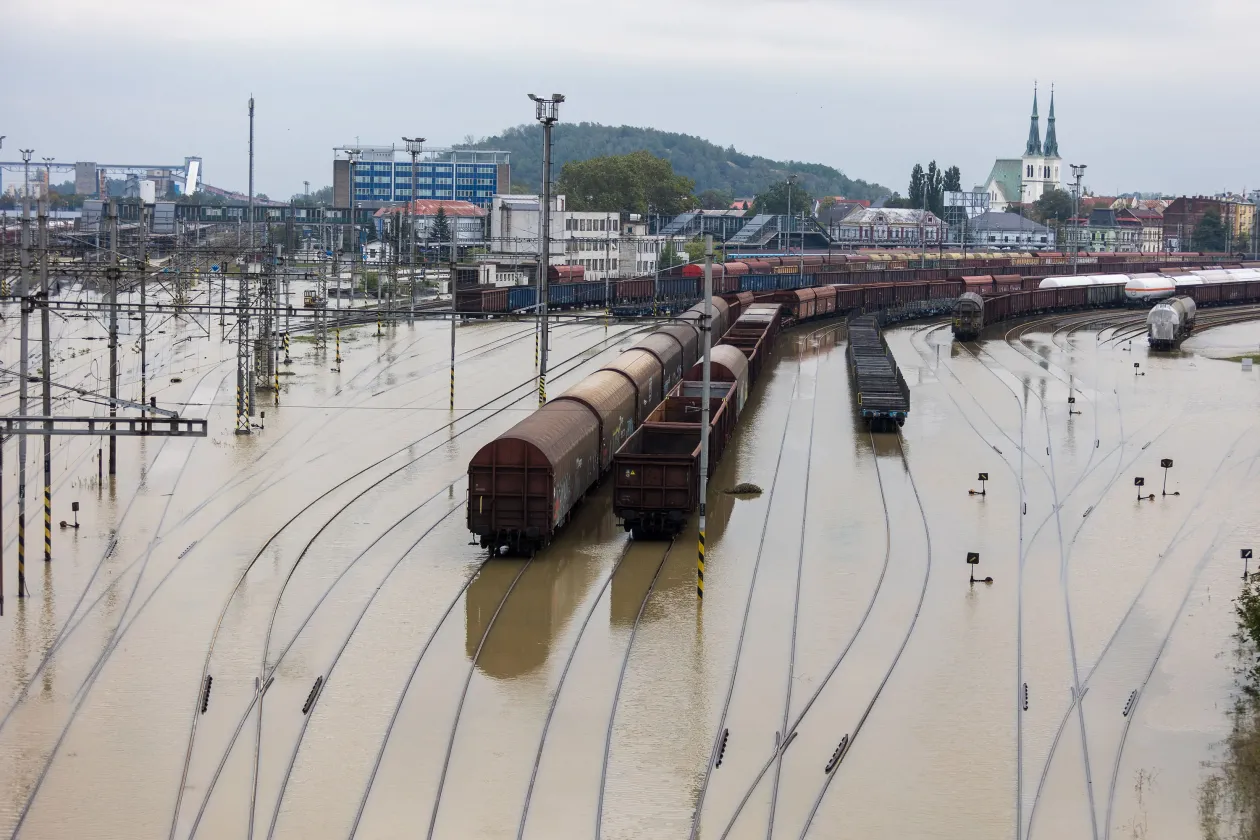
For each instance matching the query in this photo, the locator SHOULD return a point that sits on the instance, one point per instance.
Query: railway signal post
(1139, 482)
(982, 478)
(1167, 463)
(1246, 558)
(705, 329)
(1072, 406)
(973, 560)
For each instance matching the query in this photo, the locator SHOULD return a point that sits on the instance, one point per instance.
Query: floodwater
(371, 675)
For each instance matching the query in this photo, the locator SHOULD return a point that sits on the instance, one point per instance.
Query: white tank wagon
(1169, 323)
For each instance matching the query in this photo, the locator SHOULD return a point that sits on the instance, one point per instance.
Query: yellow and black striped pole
(700, 566)
(453, 320)
(21, 552)
(287, 359)
(47, 519)
(542, 389)
(338, 332)
(706, 328)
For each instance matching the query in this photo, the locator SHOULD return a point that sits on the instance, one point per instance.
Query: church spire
(1034, 132)
(1052, 142)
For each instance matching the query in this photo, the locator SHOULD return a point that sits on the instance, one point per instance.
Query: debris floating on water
(745, 489)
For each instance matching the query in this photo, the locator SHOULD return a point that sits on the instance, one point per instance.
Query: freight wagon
(883, 398)
(656, 473)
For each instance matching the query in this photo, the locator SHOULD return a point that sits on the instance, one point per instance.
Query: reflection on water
(545, 598)
(630, 585)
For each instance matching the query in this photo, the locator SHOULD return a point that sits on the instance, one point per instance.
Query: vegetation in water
(745, 488)
(1229, 799)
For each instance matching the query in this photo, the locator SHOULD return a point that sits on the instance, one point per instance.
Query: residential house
(1183, 215)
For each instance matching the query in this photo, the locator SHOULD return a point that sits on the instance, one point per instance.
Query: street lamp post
(547, 112)
(47, 177)
(353, 155)
(1078, 172)
(791, 179)
(26, 173)
(414, 145)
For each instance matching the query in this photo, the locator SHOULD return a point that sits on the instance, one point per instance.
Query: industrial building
(382, 174)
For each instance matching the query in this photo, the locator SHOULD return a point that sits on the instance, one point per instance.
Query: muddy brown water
(375, 569)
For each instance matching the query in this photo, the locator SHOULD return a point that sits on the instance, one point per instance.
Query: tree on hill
(638, 182)
(774, 199)
(953, 180)
(710, 166)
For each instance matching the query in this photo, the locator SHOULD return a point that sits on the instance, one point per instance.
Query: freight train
(1170, 322)
(524, 484)
(678, 288)
(971, 316)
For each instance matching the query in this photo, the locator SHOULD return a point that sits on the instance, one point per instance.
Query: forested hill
(709, 165)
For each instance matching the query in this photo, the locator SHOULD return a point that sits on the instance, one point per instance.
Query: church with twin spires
(1025, 179)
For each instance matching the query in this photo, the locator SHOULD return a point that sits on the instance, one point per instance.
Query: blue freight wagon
(676, 288)
(759, 282)
(522, 297)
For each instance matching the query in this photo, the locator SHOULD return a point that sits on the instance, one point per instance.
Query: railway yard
(293, 633)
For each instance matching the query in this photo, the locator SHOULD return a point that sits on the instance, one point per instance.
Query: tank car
(968, 316)
(1146, 289)
(1170, 322)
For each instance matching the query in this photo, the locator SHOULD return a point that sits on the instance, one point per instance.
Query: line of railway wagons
(523, 485)
(656, 473)
(679, 288)
(973, 312)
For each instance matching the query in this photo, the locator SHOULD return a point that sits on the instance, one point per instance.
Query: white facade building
(1025, 179)
(890, 226)
(604, 244)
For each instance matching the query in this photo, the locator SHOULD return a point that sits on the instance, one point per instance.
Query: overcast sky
(1152, 95)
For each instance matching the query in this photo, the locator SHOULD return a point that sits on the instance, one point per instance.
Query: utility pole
(23, 373)
(114, 272)
(45, 342)
(547, 112)
(414, 147)
(251, 171)
(706, 325)
(144, 321)
(790, 180)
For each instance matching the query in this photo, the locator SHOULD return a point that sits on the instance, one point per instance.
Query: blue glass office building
(383, 174)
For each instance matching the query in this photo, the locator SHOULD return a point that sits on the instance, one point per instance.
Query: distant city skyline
(871, 89)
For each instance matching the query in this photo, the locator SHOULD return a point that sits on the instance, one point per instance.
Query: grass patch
(1229, 799)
